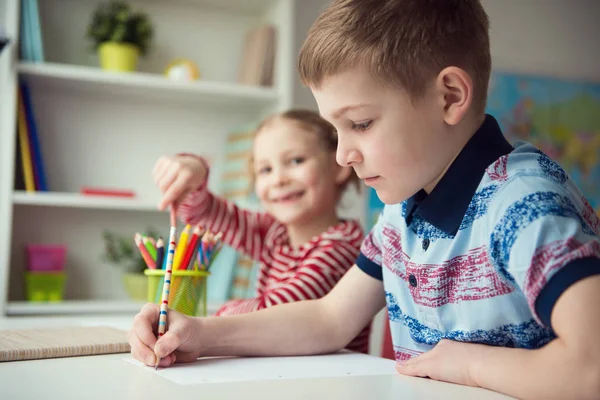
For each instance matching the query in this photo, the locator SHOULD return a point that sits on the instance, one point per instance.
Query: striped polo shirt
(484, 257)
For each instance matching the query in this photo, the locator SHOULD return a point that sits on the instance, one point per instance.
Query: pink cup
(45, 257)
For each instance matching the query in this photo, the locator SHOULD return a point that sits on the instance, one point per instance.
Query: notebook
(32, 344)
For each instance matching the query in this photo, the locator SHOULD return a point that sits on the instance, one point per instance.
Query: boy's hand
(180, 342)
(449, 361)
(176, 176)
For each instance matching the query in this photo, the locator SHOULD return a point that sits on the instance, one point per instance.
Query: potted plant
(120, 250)
(119, 35)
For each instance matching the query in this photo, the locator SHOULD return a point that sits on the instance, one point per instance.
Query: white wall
(547, 37)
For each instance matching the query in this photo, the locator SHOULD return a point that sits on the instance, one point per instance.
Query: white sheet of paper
(219, 370)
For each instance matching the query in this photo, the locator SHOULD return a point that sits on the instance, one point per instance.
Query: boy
(485, 254)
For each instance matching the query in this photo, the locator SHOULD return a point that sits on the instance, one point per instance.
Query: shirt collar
(446, 205)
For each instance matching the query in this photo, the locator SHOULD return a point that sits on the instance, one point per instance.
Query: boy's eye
(362, 126)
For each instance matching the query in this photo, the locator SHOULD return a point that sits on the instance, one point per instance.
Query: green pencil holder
(44, 286)
(187, 293)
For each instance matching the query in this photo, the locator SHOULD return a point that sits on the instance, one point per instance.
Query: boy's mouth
(288, 197)
(371, 179)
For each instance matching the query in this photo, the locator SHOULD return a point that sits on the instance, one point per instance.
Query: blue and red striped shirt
(484, 257)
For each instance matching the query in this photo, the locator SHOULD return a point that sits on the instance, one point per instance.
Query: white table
(109, 376)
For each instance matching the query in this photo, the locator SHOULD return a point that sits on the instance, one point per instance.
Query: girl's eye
(264, 170)
(297, 160)
(362, 126)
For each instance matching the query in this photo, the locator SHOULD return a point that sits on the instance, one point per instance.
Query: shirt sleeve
(544, 243)
(370, 257)
(317, 275)
(243, 230)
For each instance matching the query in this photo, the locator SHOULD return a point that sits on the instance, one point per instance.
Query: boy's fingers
(167, 344)
(167, 361)
(140, 351)
(143, 324)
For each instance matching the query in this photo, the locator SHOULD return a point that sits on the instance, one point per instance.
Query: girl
(302, 245)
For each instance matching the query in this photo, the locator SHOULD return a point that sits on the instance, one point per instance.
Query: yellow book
(25, 147)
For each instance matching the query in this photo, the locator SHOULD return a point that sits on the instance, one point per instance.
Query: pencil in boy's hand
(164, 304)
(144, 251)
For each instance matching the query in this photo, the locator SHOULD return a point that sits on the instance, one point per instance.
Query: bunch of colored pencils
(192, 253)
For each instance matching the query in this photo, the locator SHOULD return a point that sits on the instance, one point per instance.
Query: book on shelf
(258, 58)
(29, 157)
(107, 192)
(31, 45)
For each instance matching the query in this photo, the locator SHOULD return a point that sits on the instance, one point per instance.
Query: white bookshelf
(107, 130)
(140, 85)
(75, 200)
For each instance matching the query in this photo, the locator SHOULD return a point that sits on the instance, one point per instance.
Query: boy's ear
(456, 89)
(343, 174)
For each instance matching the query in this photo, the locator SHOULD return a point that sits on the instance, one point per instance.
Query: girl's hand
(180, 343)
(176, 176)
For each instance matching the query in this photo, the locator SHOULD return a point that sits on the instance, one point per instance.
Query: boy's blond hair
(403, 42)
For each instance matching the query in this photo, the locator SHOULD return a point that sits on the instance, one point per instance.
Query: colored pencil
(214, 254)
(189, 251)
(150, 247)
(181, 246)
(199, 259)
(144, 251)
(160, 252)
(164, 304)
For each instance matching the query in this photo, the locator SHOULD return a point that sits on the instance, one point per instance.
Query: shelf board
(68, 307)
(76, 200)
(148, 86)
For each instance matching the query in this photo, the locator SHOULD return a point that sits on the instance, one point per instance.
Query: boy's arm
(243, 230)
(313, 279)
(566, 368)
(306, 327)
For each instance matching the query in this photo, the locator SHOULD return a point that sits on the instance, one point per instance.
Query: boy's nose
(347, 157)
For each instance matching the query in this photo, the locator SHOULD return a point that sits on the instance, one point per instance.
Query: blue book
(34, 140)
(25, 36)
(35, 32)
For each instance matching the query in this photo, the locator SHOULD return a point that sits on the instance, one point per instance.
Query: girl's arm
(243, 230)
(317, 275)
